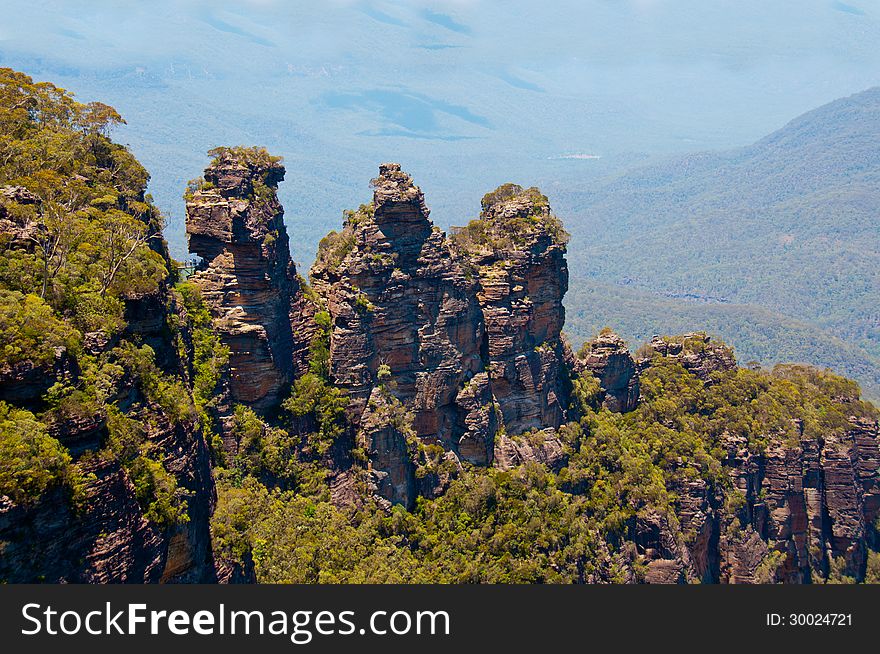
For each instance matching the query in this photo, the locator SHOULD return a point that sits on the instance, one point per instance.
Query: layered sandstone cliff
(107, 537)
(792, 511)
(790, 515)
(107, 534)
(400, 303)
(247, 277)
(515, 251)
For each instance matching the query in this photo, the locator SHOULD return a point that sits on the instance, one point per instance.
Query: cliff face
(466, 330)
(516, 253)
(108, 538)
(792, 512)
(401, 306)
(107, 535)
(812, 502)
(447, 351)
(246, 276)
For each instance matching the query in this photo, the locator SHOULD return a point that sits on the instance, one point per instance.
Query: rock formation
(108, 539)
(235, 224)
(516, 252)
(542, 446)
(607, 358)
(106, 536)
(401, 305)
(788, 515)
(696, 352)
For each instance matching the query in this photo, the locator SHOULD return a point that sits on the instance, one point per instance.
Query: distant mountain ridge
(788, 224)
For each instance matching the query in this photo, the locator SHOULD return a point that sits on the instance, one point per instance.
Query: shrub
(29, 330)
(31, 461)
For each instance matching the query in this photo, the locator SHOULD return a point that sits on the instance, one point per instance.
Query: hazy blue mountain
(775, 245)
(467, 94)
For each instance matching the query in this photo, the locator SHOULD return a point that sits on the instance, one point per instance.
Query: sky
(466, 94)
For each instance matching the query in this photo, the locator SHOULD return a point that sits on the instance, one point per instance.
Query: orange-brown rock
(607, 358)
(235, 224)
(516, 252)
(401, 305)
(789, 514)
(542, 446)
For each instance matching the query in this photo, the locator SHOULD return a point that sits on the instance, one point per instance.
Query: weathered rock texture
(607, 358)
(14, 227)
(235, 224)
(789, 514)
(400, 302)
(516, 252)
(108, 539)
(541, 446)
(388, 438)
(696, 352)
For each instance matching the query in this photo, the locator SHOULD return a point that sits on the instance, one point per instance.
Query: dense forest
(115, 383)
(783, 230)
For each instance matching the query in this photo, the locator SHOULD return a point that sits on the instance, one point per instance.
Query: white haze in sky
(466, 94)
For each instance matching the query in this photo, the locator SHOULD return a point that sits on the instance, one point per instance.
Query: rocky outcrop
(235, 224)
(541, 446)
(697, 352)
(17, 208)
(25, 383)
(790, 514)
(107, 538)
(516, 253)
(387, 436)
(401, 306)
(607, 358)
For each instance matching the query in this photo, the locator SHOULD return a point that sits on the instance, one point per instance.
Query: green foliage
(319, 348)
(500, 233)
(336, 246)
(158, 388)
(31, 461)
(529, 525)
(313, 396)
(157, 492)
(162, 500)
(333, 248)
(767, 569)
(837, 574)
(252, 156)
(489, 527)
(29, 331)
(774, 246)
(209, 358)
(872, 573)
(362, 304)
(265, 452)
(86, 239)
(755, 332)
(91, 236)
(586, 392)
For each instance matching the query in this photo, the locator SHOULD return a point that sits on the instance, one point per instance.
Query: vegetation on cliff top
(531, 525)
(512, 217)
(81, 240)
(85, 242)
